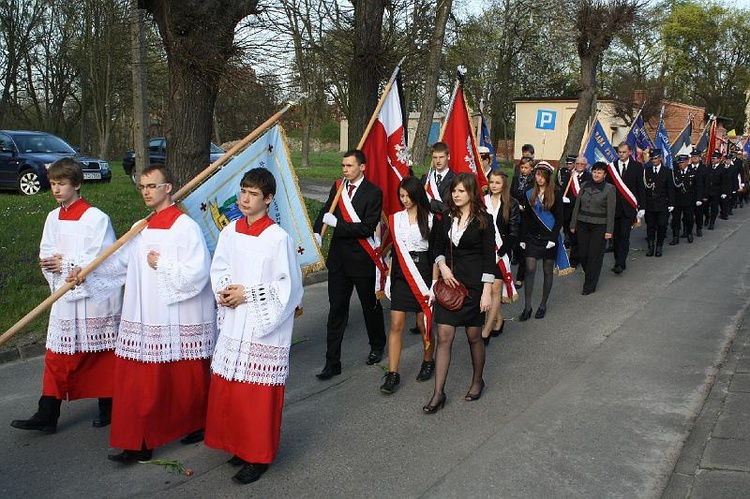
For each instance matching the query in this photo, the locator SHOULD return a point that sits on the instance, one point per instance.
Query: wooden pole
(138, 227)
(362, 140)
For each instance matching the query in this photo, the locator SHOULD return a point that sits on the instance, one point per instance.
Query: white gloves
(698, 203)
(550, 244)
(318, 239)
(723, 196)
(387, 289)
(670, 208)
(640, 214)
(330, 219)
(522, 245)
(566, 200)
(742, 186)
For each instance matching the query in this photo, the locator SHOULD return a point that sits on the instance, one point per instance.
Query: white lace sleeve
(173, 284)
(264, 308)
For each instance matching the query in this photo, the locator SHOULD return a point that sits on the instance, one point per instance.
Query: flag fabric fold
(214, 204)
(385, 150)
(459, 136)
(681, 144)
(638, 138)
(662, 142)
(485, 139)
(598, 146)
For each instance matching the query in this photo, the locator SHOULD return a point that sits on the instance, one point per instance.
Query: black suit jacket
(633, 178)
(444, 187)
(511, 229)
(346, 254)
(717, 182)
(659, 188)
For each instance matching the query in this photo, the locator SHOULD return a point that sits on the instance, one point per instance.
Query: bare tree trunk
(140, 100)
(365, 70)
(306, 137)
(585, 109)
(432, 75)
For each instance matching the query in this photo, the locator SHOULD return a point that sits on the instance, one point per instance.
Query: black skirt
(536, 247)
(402, 297)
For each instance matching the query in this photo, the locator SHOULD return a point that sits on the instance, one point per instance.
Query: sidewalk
(715, 460)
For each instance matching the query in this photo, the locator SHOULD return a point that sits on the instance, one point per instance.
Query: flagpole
(588, 136)
(362, 140)
(138, 227)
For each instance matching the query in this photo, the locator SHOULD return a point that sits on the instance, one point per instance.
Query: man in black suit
(438, 178)
(701, 204)
(717, 187)
(659, 202)
(349, 264)
(687, 193)
(574, 167)
(631, 173)
(733, 172)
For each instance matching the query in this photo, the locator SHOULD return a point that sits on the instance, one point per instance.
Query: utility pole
(140, 100)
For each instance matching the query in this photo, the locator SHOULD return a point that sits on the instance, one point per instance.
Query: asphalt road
(595, 400)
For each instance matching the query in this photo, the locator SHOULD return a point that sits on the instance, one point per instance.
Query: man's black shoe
(250, 473)
(328, 372)
(193, 438)
(658, 251)
(617, 269)
(699, 233)
(235, 461)
(101, 420)
(131, 456)
(35, 423)
(375, 356)
(690, 237)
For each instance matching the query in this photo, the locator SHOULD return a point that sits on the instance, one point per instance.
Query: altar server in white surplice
(258, 285)
(80, 357)
(167, 331)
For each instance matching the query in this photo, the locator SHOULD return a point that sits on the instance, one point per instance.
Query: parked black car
(157, 152)
(25, 157)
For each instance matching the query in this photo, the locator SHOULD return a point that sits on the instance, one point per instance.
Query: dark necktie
(438, 178)
(622, 168)
(350, 189)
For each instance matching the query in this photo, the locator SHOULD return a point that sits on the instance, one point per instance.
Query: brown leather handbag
(450, 298)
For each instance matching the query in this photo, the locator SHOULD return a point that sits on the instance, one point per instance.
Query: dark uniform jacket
(346, 254)
(659, 188)
(687, 188)
(701, 172)
(519, 185)
(717, 182)
(445, 190)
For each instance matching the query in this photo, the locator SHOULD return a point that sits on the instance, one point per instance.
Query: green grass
(323, 165)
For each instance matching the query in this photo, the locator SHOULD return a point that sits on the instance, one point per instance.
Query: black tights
(445, 336)
(548, 266)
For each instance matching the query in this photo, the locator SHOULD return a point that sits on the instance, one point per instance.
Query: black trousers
(656, 226)
(621, 237)
(683, 214)
(724, 207)
(340, 287)
(698, 216)
(591, 244)
(715, 202)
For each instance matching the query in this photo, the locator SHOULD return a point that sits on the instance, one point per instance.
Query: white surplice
(255, 337)
(86, 318)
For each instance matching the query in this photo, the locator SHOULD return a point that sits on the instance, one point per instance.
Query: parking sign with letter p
(545, 119)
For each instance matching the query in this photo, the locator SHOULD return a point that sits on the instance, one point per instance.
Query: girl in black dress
(465, 243)
(411, 275)
(540, 227)
(507, 220)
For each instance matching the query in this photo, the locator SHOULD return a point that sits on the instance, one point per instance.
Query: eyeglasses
(151, 187)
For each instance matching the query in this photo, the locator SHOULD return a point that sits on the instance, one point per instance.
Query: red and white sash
(509, 293)
(575, 184)
(371, 245)
(617, 179)
(433, 192)
(399, 223)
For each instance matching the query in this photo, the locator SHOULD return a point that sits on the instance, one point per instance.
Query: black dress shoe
(250, 473)
(540, 313)
(35, 423)
(131, 456)
(497, 332)
(525, 315)
(102, 420)
(375, 356)
(328, 372)
(392, 380)
(471, 397)
(193, 438)
(432, 409)
(426, 371)
(235, 461)
(690, 237)
(617, 269)
(711, 226)
(587, 292)
(658, 251)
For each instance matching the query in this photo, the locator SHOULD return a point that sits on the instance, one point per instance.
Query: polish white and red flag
(385, 150)
(458, 135)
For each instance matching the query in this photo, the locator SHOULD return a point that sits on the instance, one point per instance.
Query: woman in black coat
(507, 219)
(465, 253)
(540, 228)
